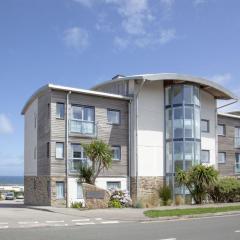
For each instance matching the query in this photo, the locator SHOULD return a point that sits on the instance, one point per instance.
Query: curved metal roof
(218, 91)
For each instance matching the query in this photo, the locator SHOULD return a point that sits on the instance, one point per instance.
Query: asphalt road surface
(209, 228)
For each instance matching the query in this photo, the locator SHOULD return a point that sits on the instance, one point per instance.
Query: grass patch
(189, 211)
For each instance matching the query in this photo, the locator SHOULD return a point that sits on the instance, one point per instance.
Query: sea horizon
(11, 180)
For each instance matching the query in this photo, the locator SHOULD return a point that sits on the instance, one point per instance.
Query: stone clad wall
(147, 190)
(36, 190)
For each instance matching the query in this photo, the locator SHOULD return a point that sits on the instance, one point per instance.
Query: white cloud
(167, 35)
(197, 3)
(5, 125)
(121, 42)
(76, 38)
(221, 78)
(167, 6)
(87, 3)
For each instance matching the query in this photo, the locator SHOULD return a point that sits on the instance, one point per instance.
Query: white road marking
(81, 220)
(98, 219)
(237, 231)
(109, 222)
(3, 227)
(36, 222)
(60, 225)
(61, 221)
(169, 239)
(84, 223)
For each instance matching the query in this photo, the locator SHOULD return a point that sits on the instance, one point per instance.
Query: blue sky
(82, 42)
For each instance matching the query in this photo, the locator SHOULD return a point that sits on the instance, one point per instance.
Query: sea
(11, 180)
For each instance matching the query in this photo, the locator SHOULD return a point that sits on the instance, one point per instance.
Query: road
(18, 222)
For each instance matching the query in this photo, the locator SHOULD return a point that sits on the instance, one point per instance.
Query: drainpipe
(66, 146)
(136, 134)
(129, 144)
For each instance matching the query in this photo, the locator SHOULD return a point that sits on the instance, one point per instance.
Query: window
(237, 137)
(116, 150)
(60, 110)
(178, 122)
(60, 190)
(82, 119)
(48, 149)
(79, 191)
(113, 185)
(237, 164)
(78, 156)
(113, 116)
(59, 150)
(221, 130)
(221, 157)
(205, 125)
(205, 156)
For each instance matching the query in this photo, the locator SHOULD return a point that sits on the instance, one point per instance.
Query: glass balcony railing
(83, 127)
(237, 168)
(237, 142)
(75, 164)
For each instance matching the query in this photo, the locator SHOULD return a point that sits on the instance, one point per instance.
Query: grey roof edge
(228, 115)
(173, 76)
(69, 89)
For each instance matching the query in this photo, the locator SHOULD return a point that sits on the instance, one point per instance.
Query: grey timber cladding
(226, 144)
(111, 134)
(43, 129)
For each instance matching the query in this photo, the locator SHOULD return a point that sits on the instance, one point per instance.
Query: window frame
(224, 129)
(225, 157)
(62, 143)
(208, 126)
(118, 182)
(120, 154)
(208, 151)
(59, 117)
(63, 197)
(113, 110)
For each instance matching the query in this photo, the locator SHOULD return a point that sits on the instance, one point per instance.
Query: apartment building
(155, 123)
(229, 144)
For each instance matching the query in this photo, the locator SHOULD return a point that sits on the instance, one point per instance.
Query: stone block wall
(147, 192)
(36, 191)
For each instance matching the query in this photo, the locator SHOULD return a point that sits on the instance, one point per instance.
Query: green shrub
(76, 205)
(225, 190)
(114, 203)
(138, 204)
(86, 173)
(197, 180)
(165, 194)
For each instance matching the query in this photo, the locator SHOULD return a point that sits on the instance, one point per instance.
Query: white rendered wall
(151, 130)
(208, 112)
(30, 140)
(100, 182)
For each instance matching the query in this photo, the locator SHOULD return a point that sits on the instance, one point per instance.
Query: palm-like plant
(100, 155)
(197, 180)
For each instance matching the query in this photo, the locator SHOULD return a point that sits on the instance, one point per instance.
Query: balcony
(75, 164)
(237, 168)
(237, 142)
(84, 128)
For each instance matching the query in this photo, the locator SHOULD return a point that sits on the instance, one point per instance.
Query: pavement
(15, 219)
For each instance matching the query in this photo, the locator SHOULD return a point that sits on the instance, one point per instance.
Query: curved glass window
(182, 111)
